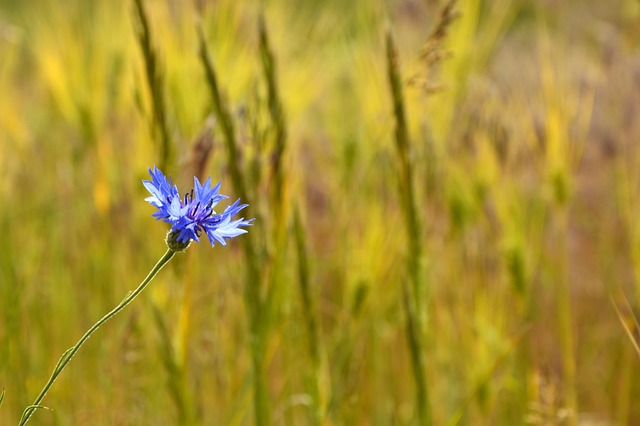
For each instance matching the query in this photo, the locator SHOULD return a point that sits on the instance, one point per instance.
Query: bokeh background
(502, 292)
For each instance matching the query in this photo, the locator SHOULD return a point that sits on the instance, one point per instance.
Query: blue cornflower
(193, 214)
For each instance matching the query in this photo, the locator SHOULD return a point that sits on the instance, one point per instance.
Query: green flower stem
(66, 357)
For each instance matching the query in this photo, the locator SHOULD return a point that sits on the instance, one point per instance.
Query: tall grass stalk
(407, 192)
(567, 343)
(278, 123)
(177, 380)
(252, 289)
(180, 343)
(627, 180)
(66, 357)
(277, 116)
(223, 115)
(278, 202)
(625, 370)
(310, 316)
(414, 294)
(154, 82)
(176, 371)
(568, 115)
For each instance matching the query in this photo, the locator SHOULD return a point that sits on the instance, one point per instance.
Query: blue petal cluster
(193, 214)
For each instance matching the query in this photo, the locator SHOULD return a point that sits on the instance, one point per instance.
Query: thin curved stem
(66, 357)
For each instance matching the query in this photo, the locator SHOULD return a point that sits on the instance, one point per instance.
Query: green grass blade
(154, 78)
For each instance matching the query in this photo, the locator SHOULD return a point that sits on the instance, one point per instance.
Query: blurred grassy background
(523, 130)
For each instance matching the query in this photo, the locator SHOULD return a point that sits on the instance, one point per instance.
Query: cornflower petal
(206, 194)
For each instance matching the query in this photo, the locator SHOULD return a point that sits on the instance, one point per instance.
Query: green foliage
(468, 212)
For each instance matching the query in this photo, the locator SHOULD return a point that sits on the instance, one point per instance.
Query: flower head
(193, 214)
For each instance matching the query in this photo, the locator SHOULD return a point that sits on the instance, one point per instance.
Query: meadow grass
(445, 197)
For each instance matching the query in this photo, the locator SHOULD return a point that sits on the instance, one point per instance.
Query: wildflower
(193, 214)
